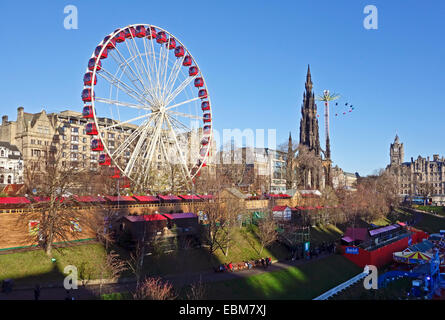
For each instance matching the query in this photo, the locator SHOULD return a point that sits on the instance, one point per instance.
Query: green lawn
(35, 266)
(303, 282)
(327, 233)
(433, 209)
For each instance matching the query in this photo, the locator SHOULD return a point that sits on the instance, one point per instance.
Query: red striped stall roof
(272, 195)
(120, 198)
(146, 217)
(147, 198)
(184, 215)
(206, 196)
(13, 200)
(89, 199)
(190, 197)
(169, 197)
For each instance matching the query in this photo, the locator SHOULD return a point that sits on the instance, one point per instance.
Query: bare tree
(267, 232)
(197, 291)
(54, 181)
(154, 289)
(111, 267)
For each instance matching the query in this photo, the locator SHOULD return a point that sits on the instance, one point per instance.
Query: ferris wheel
(148, 107)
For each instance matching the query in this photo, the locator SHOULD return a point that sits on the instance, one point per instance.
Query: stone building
(422, 176)
(35, 133)
(11, 164)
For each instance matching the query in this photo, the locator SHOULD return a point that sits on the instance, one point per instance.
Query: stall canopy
(190, 197)
(14, 200)
(347, 239)
(184, 215)
(147, 217)
(169, 198)
(378, 231)
(89, 199)
(146, 198)
(121, 198)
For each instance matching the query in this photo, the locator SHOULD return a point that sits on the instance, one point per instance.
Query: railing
(342, 286)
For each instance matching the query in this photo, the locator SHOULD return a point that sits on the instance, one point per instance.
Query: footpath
(91, 289)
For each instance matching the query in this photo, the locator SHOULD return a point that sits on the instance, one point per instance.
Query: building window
(9, 180)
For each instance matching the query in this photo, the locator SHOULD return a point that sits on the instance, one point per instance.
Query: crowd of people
(245, 265)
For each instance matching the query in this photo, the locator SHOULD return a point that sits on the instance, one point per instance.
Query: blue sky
(254, 55)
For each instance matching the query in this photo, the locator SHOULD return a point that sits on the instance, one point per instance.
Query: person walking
(37, 292)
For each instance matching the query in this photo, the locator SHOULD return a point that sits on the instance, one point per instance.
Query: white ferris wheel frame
(188, 174)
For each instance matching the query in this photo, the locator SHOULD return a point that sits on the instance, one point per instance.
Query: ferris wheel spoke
(181, 103)
(134, 78)
(183, 162)
(121, 148)
(121, 62)
(173, 76)
(185, 115)
(120, 103)
(137, 150)
(179, 89)
(137, 66)
(119, 84)
(144, 69)
(128, 121)
(147, 52)
(181, 126)
(151, 147)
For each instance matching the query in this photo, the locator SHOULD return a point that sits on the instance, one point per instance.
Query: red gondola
(130, 32)
(125, 183)
(171, 44)
(161, 37)
(87, 112)
(111, 44)
(205, 141)
(199, 82)
(205, 105)
(140, 31)
(116, 173)
(96, 145)
(152, 33)
(119, 37)
(104, 54)
(91, 129)
(206, 117)
(86, 95)
(187, 61)
(193, 71)
(104, 160)
(203, 152)
(207, 129)
(92, 63)
(87, 79)
(179, 51)
(202, 94)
